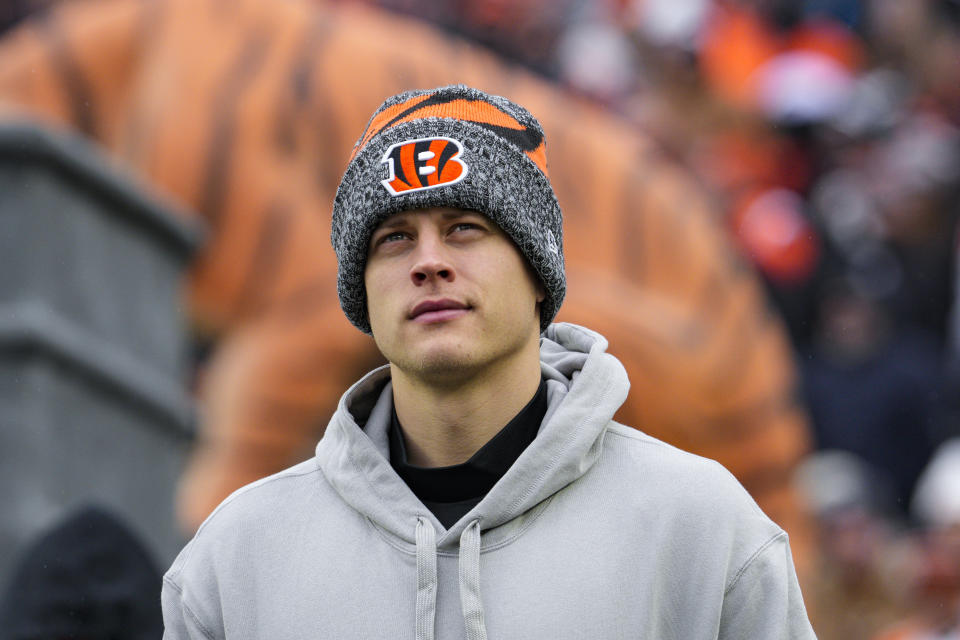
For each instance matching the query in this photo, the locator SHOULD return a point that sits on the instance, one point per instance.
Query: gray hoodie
(597, 531)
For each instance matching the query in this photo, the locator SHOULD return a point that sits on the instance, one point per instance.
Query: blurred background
(761, 203)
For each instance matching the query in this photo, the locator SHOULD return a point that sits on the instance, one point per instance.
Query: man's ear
(541, 293)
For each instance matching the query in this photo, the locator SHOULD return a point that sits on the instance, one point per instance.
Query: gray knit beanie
(449, 147)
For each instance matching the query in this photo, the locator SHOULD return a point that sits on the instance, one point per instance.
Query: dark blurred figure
(953, 351)
(914, 176)
(935, 583)
(860, 580)
(87, 578)
(873, 391)
(13, 11)
(524, 32)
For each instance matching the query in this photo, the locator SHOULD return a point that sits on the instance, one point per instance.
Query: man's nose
(432, 262)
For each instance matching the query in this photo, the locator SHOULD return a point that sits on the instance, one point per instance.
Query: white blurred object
(802, 87)
(936, 500)
(922, 154)
(844, 208)
(875, 104)
(597, 58)
(833, 480)
(669, 22)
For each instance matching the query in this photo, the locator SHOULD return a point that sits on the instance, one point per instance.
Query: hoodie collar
(472, 479)
(585, 387)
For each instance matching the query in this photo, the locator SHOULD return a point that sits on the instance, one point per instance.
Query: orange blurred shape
(830, 39)
(771, 227)
(736, 43)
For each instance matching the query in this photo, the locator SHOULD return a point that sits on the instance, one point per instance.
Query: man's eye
(465, 226)
(391, 237)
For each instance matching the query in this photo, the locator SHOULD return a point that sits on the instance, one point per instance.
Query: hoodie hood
(585, 387)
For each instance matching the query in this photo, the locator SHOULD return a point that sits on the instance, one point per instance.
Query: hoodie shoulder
(270, 495)
(243, 512)
(255, 524)
(665, 458)
(698, 494)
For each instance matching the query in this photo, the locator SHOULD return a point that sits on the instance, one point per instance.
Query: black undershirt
(450, 492)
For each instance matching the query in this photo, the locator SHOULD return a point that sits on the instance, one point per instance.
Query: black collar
(472, 479)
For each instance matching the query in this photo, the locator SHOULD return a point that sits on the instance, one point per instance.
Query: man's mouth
(430, 311)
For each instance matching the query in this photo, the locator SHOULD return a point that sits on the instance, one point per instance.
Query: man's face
(448, 293)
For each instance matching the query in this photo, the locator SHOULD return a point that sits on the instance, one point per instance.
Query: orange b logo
(423, 163)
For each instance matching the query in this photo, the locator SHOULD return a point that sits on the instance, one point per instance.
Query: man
(477, 486)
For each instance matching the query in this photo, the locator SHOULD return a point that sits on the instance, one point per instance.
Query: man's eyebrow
(392, 222)
(459, 213)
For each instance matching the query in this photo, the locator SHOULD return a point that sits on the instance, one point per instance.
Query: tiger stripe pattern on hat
(480, 112)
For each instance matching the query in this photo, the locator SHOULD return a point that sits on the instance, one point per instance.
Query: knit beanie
(449, 147)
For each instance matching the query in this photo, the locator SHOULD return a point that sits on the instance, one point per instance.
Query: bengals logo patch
(423, 163)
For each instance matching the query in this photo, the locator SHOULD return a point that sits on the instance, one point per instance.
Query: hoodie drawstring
(426, 579)
(470, 602)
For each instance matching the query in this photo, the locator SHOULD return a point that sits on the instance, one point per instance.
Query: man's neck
(446, 425)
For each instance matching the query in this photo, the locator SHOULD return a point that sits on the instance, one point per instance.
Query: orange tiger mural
(246, 112)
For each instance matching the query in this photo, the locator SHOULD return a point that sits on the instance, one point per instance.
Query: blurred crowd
(828, 132)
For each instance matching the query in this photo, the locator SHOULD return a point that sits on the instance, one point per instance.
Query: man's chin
(440, 364)
(445, 360)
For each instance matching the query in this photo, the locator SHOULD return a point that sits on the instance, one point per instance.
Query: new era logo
(424, 163)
